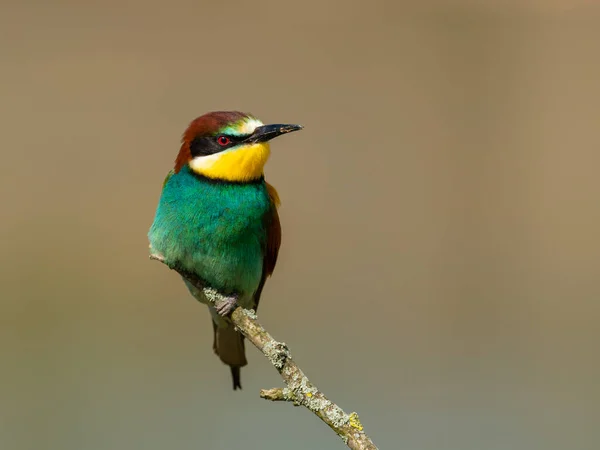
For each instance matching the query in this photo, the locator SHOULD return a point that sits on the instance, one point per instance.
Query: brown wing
(273, 241)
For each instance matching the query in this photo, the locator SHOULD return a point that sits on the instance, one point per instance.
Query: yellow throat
(238, 164)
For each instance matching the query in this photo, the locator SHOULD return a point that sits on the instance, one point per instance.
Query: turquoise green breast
(216, 230)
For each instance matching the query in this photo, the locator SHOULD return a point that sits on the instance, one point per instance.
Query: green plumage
(227, 233)
(216, 230)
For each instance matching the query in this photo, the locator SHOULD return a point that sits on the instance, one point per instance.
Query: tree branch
(299, 390)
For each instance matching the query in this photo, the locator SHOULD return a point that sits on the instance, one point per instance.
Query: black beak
(268, 132)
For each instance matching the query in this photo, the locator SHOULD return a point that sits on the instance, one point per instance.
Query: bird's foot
(225, 304)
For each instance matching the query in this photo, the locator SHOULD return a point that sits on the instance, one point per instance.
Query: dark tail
(235, 375)
(228, 344)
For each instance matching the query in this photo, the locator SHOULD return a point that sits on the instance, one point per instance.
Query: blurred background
(440, 270)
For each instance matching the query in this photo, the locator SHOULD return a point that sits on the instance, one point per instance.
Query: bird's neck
(189, 173)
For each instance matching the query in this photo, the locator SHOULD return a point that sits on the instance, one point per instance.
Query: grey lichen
(277, 352)
(317, 404)
(337, 416)
(288, 395)
(314, 400)
(212, 295)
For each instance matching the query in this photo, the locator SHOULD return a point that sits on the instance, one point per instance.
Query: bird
(217, 218)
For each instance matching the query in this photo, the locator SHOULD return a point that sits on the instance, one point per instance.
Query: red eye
(223, 140)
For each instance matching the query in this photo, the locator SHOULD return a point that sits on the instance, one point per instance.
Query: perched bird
(217, 218)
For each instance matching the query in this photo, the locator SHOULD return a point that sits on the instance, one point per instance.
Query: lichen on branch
(299, 390)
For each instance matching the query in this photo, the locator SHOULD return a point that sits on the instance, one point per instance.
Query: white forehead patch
(245, 127)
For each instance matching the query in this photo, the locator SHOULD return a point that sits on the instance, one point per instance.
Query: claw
(225, 305)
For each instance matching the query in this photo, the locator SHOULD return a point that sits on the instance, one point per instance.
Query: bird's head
(228, 145)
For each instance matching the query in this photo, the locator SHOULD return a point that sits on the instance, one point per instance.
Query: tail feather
(228, 344)
(235, 375)
(215, 349)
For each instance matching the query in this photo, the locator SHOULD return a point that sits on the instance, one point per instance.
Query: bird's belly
(228, 258)
(230, 266)
(229, 261)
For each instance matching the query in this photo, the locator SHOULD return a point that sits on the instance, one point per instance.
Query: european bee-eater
(217, 218)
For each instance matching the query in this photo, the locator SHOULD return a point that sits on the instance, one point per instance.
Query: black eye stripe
(203, 146)
(209, 145)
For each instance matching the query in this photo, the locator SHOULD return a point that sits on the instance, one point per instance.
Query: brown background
(440, 269)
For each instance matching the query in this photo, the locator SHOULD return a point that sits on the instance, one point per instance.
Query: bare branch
(278, 395)
(299, 390)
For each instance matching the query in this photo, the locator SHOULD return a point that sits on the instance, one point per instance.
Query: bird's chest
(229, 217)
(216, 231)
